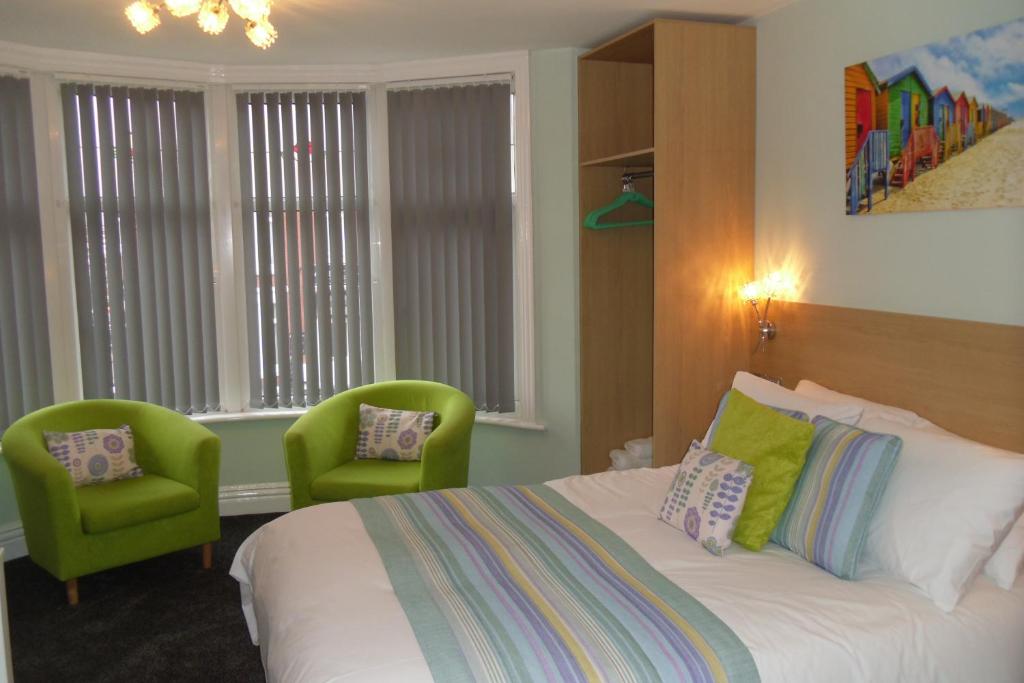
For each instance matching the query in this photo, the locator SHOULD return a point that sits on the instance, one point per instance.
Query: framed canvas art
(938, 127)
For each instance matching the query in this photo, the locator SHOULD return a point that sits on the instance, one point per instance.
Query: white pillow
(1008, 560)
(871, 409)
(1006, 563)
(771, 394)
(949, 504)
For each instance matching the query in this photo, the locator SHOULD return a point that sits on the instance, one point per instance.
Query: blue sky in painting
(987, 64)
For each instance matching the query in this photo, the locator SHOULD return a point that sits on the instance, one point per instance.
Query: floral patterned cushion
(387, 434)
(95, 455)
(707, 496)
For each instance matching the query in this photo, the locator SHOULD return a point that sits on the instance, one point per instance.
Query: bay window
(224, 249)
(306, 231)
(25, 373)
(139, 203)
(452, 238)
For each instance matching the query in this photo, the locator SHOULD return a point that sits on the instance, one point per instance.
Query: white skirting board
(12, 540)
(241, 499)
(255, 499)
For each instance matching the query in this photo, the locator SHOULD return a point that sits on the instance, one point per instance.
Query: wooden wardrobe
(662, 328)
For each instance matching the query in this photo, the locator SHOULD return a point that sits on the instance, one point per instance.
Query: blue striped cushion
(827, 518)
(710, 436)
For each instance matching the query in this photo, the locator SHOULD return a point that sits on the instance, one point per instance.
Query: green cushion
(776, 445)
(366, 478)
(127, 502)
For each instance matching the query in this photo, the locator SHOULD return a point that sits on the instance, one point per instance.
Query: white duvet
(318, 602)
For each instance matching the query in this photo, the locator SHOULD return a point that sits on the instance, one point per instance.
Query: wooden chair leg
(207, 555)
(72, 588)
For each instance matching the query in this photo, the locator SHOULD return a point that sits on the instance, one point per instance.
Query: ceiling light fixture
(213, 17)
(261, 33)
(251, 10)
(144, 16)
(182, 8)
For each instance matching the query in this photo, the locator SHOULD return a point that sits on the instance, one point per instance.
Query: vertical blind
(452, 238)
(140, 227)
(305, 210)
(25, 383)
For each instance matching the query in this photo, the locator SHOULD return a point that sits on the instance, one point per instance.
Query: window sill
(511, 421)
(250, 415)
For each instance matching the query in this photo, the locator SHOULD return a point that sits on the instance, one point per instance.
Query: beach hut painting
(938, 127)
(961, 110)
(944, 120)
(972, 117)
(908, 94)
(943, 108)
(861, 93)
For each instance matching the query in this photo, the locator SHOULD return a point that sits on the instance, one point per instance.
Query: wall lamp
(764, 290)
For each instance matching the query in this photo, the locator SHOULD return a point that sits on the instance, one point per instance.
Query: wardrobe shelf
(640, 157)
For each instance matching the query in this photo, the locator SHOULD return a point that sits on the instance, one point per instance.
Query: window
(452, 233)
(305, 209)
(25, 375)
(225, 246)
(139, 203)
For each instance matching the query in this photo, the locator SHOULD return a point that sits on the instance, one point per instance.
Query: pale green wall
(503, 455)
(959, 264)
(251, 450)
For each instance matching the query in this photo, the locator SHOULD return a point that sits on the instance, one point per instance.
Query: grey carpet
(164, 619)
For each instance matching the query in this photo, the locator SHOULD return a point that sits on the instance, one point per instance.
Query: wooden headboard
(967, 377)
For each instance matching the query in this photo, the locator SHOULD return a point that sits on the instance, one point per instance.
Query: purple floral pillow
(387, 434)
(95, 456)
(707, 496)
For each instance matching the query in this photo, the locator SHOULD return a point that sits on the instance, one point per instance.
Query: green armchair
(71, 532)
(320, 447)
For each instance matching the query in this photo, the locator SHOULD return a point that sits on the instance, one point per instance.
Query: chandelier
(212, 16)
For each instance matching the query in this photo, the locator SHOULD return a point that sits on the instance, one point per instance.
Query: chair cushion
(95, 456)
(389, 434)
(367, 478)
(127, 502)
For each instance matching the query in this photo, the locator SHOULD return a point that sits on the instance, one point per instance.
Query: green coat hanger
(594, 216)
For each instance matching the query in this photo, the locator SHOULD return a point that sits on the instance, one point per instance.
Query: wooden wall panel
(967, 377)
(704, 222)
(615, 108)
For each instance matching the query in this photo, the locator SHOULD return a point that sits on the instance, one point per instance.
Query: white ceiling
(356, 31)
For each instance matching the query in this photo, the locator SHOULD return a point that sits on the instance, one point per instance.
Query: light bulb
(773, 283)
(261, 33)
(251, 10)
(781, 284)
(751, 291)
(143, 16)
(213, 16)
(182, 8)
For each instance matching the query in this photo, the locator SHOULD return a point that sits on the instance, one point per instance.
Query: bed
(319, 603)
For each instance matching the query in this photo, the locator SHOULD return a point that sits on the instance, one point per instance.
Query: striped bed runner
(515, 583)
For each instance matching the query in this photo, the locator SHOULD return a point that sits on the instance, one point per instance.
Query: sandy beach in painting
(989, 174)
